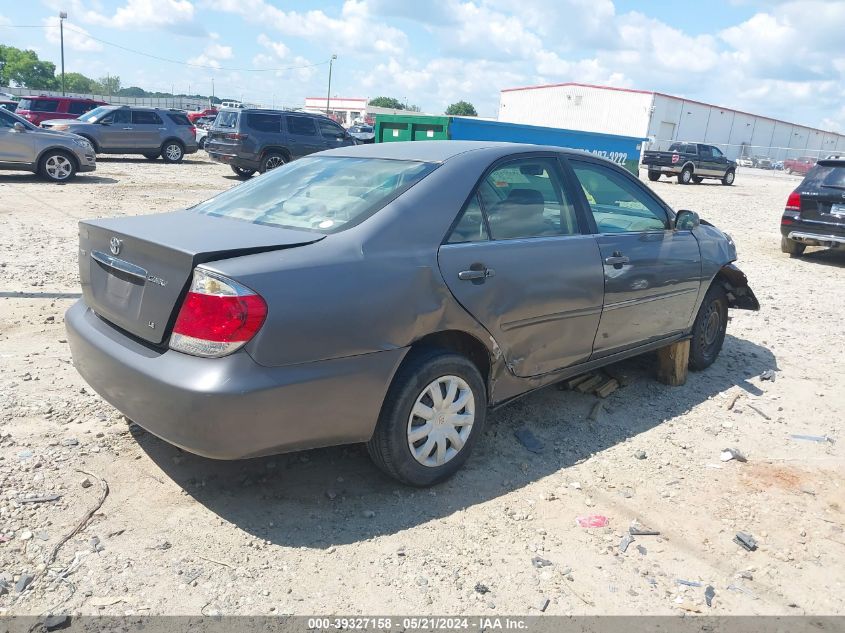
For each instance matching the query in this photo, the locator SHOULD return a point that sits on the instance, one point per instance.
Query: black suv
(815, 211)
(250, 140)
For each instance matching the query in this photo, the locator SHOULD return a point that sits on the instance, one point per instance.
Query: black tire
(271, 160)
(57, 166)
(241, 172)
(685, 177)
(151, 156)
(729, 177)
(708, 331)
(653, 176)
(791, 247)
(172, 152)
(697, 179)
(201, 143)
(390, 447)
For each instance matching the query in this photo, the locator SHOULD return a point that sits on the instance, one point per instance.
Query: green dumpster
(391, 128)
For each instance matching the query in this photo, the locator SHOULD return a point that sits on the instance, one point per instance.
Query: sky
(780, 59)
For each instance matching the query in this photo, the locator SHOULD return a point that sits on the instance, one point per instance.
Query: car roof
(66, 98)
(441, 151)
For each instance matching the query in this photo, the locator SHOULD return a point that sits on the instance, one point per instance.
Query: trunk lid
(134, 270)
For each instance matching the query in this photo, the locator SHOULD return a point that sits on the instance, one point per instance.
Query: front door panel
(543, 301)
(15, 147)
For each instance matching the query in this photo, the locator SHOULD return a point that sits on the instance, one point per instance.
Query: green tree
(79, 83)
(461, 108)
(109, 85)
(388, 102)
(23, 68)
(132, 91)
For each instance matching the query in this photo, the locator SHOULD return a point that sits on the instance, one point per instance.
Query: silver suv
(57, 156)
(152, 132)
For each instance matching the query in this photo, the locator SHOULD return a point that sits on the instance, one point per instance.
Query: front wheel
(685, 177)
(432, 416)
(791, 247)
(653, 176)
(728, 178)
(57, 166)
(242, 172)
(708, 331)
(172, 152)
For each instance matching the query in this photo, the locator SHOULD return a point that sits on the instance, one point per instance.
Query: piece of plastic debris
(745, 540)
(732, 453)
(640, 530)
(688, 583)
(742, 590)
(528, 439)
(642, 550)
(625, 542)
(769, 374)
(539, 562)
(592, 521)
(813, 438)
(40, 499)
(709, 594)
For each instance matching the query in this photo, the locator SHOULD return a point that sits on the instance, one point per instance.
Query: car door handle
(127, 128)
(617, 259)
(480, 273)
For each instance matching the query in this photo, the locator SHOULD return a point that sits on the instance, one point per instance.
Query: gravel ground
(324, 532)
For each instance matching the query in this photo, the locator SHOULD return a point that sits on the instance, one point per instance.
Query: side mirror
(104, 122)
(686, 220)
(19, 127)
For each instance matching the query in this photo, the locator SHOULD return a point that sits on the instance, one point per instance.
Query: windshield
(94, 115)
(325, 194)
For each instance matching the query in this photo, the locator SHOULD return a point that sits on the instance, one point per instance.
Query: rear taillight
(235, 136)
(675, 158)
(793, 202)
(194, 131)
(219, 316)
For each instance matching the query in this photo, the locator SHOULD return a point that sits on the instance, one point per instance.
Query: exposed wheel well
(460, 343)
(691, 166)
(735, 284)
(172, 139)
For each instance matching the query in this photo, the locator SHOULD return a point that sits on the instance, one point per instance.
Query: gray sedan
(390, 294)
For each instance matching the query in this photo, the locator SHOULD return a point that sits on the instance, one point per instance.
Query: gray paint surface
(344, 308)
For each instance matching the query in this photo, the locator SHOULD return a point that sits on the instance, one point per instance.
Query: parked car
(194, 116)
(152, 132)
(778, 165)
(37, 109)
(202, 136)
(815, 211)
(744, 161)
(799, 166)
(250, 140)
(762, 162)
(690, 162)
(363, 133)
(205, 121)
(56, 156)
(390, 294)
(11, 106)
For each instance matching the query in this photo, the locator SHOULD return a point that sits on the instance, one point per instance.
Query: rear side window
(80, 107)
(471, 227)
(145, 117)
(39, 105)
(178, 118)
(226, 119)
(264, 122)
(301, 125)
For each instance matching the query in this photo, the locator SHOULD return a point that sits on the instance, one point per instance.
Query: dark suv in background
(152, 132)
(250, 140)
(815, 211)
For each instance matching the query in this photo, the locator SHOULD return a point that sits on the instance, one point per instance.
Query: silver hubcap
(730, 177)
(58, 167)
(173, 152)
(274, 161)
(441, 421)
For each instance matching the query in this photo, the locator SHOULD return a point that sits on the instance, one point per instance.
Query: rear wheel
(728, 178)
(685, 177)
(791, 247)
(241, 172)
(432, 416)
(57, 166)
(653, 176)
(272, 160)
(708, 331)
(172, 152)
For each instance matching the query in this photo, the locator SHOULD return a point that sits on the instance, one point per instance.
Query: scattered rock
(25, 535)
(640, 454)
(732, 453)
(543, 604)
(70, 441)
(52, 622)
(86, 483)
(23, 582)
(539, 562)
(481, 588)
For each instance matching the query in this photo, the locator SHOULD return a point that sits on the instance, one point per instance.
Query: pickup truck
(691, 163)
(799, 166)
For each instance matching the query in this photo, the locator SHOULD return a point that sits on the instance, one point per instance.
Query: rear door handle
(617, 259)
(127, 128)
(480, 273)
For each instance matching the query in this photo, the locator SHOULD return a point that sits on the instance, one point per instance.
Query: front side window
(717, 153)
(94, 115)
(618, 205)
(331, 130)
(117, 116)
(301, 125)
(324, 194)
(264, 122)
(524, 198)
(145, 117)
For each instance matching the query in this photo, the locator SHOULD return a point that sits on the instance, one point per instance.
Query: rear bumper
(815, 233)
(231, 407)
(227, 158)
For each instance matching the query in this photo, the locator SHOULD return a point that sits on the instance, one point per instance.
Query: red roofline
(668, 96)
(338, 98)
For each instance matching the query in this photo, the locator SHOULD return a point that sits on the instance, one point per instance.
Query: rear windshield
(179, 119)
(226, 119)
(825, 176)
(324, 194)
(39, 105)
(684, 148)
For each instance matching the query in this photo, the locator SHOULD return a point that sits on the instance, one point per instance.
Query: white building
(663, 119)
(342, 109)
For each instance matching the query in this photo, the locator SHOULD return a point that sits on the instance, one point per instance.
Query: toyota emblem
(114, 246)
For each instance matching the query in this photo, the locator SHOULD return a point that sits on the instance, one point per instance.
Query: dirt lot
(324, 532)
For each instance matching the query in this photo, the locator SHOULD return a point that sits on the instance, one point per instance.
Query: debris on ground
(688, 583)
(745, 540)
(755, 409)
(733, 400)
(592, 521)
(741, 589)
(595, 412)
(640, 454)
(732, 453)
(543, 604)
(625, 542)
(636, 529)
(481, 588)
(40, 498)
(23, 582)
(769, 374)
(607, 388)
(709, 594)
(813, 438)
(527, 438)
(539, 562)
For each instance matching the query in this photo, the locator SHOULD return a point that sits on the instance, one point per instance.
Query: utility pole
(329, 93)
(62, 18)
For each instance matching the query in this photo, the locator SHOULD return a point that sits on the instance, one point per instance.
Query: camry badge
(114, 246)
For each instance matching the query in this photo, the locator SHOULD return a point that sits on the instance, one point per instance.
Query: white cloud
(76, 38)
(212, 55)
(173, 15)
(278, 48)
